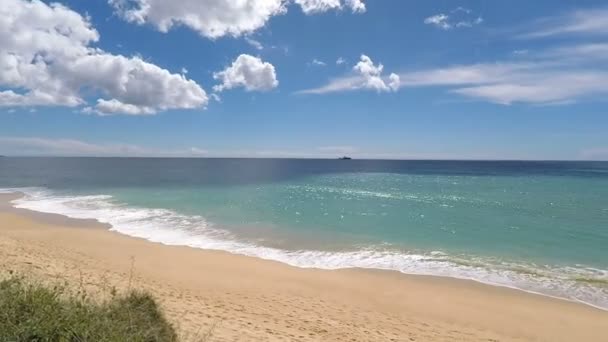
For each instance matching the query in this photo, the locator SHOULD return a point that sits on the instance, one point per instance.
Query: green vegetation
(35, 312)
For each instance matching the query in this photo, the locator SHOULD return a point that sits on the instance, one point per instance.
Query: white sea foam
(172, 228)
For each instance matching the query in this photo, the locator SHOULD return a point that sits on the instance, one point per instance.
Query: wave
(577, 283)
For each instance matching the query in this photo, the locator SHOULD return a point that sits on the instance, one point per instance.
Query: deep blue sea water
(537, 226)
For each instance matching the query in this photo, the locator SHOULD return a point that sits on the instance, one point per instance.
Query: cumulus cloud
(340, 61)
(210, 18)
(316, 6)
(113, 106)
(394, 81)
(47, 59)
(458, 18)
(357, 6)
(248, 72)
(371, 75)
(218, 18)
(365, 75)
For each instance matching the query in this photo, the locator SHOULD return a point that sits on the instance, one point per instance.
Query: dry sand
(239, 298)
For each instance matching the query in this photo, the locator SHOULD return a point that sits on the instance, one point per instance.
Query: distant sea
(536, 226)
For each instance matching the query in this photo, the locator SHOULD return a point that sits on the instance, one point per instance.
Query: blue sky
(305, 78)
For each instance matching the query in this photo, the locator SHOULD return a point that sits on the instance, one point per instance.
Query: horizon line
(303, 158)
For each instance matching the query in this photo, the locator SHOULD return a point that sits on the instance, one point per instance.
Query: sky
(386, 79)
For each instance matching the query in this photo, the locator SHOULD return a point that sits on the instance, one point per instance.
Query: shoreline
(250, 251)
(388, 300)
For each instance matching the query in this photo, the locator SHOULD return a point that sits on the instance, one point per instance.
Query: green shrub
(35, 313)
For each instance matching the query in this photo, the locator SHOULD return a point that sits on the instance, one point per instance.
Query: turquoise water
(528, 217)
(540, 227)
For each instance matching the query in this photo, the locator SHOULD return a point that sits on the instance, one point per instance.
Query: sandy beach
(239, 298)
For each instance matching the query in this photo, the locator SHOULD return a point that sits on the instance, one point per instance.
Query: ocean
(536, 226)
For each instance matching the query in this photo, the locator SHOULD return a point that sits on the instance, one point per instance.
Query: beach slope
(239, 298)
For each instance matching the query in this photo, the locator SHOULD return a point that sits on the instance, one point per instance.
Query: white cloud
(366, 75)
(113, 106)
(557, 75)
(394, 82)
(218, 18)
(357, 6)
(460, 17)
(588, 22)
(249, 72)
(71, 147)
(451, 76)
(541, 89)
(317, 6)
(465, 74)
(439, 20)
(578, 52)
(46, 60)
(469, 23)
(254, 43)
(372, 75)
(318, 62)
(210, 18)
(525, 82)
(340, 61)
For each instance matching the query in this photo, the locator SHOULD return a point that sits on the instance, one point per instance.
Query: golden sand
(239, 298)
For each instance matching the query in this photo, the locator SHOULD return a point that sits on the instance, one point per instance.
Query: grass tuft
(35, 312)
